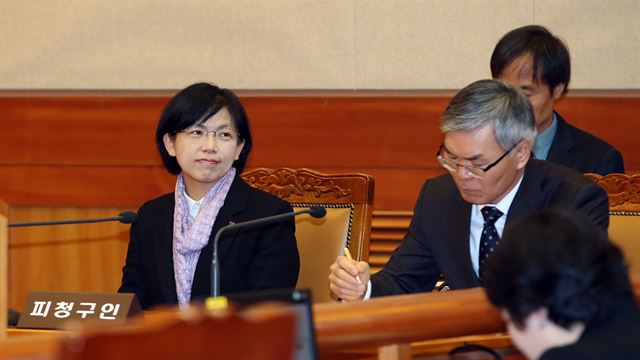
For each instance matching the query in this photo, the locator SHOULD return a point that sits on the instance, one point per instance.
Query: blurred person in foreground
(564, 289)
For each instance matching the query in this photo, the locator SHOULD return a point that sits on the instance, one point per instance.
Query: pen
(348, 255)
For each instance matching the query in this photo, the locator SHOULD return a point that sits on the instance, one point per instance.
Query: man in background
(538, 62)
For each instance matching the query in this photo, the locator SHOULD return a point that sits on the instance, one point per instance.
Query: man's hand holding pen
(349, 279)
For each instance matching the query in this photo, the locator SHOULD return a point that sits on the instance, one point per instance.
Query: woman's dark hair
(559, 260)
(551, 61)
(195, 105)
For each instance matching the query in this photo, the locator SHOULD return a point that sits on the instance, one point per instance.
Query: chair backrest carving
(624, 209)
(348, 199)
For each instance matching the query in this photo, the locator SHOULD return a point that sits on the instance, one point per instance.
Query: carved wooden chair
(348, 199)
(624, 210)
(266, 332)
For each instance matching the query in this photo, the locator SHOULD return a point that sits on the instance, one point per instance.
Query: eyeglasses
(473, 171)
(198, 133)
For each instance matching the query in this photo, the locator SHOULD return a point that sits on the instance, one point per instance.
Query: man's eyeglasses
(198, 133)
(469, 170)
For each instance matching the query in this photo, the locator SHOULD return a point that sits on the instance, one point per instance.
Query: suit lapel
(458, 221)
(164, 253)
(529, 196)
(235, 203)
(562, 145)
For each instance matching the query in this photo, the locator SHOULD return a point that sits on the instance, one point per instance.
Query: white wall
(289, 44)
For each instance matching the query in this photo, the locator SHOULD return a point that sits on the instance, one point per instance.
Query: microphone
(314, 211)
(126, 217)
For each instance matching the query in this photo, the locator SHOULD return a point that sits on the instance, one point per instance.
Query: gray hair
(487, 101)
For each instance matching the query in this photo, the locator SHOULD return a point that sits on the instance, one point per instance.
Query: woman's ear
(169, 144)
(239, 148)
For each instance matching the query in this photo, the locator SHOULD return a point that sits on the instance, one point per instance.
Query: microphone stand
(126, 217)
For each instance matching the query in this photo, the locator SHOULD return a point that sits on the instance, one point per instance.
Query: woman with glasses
(203, 137)
(564, 289)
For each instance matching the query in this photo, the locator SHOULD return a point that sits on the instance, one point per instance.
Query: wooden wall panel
(361, 132)
(79, 130)
(99, 150)
(128, 186)
(325, 131)
(83, 257)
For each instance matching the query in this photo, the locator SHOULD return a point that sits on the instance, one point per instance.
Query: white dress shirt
(194, 205)
(477, 223)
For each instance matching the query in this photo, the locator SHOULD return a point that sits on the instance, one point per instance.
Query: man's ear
(523, 153)
(558, 91)
(169, 144)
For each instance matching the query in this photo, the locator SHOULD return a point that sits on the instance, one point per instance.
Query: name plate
(50, 310)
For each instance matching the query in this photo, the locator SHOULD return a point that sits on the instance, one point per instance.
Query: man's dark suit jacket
(613, 339)
(438, 237)
(255, 259)
(582, 151)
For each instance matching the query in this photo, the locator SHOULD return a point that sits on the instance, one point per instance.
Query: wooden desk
(405, 318)
(354, 331)
(434, 322)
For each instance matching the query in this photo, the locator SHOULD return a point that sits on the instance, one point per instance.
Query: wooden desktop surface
(433, 322)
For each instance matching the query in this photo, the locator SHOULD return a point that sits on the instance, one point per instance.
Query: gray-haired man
(459, 217)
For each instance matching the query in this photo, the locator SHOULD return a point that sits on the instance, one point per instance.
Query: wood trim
(4, 208)
(623, 191)
(295, 93)
(4, 267)
(310, 186)
(387, 231)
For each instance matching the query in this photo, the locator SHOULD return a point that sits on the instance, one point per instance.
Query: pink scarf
(191, 235)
